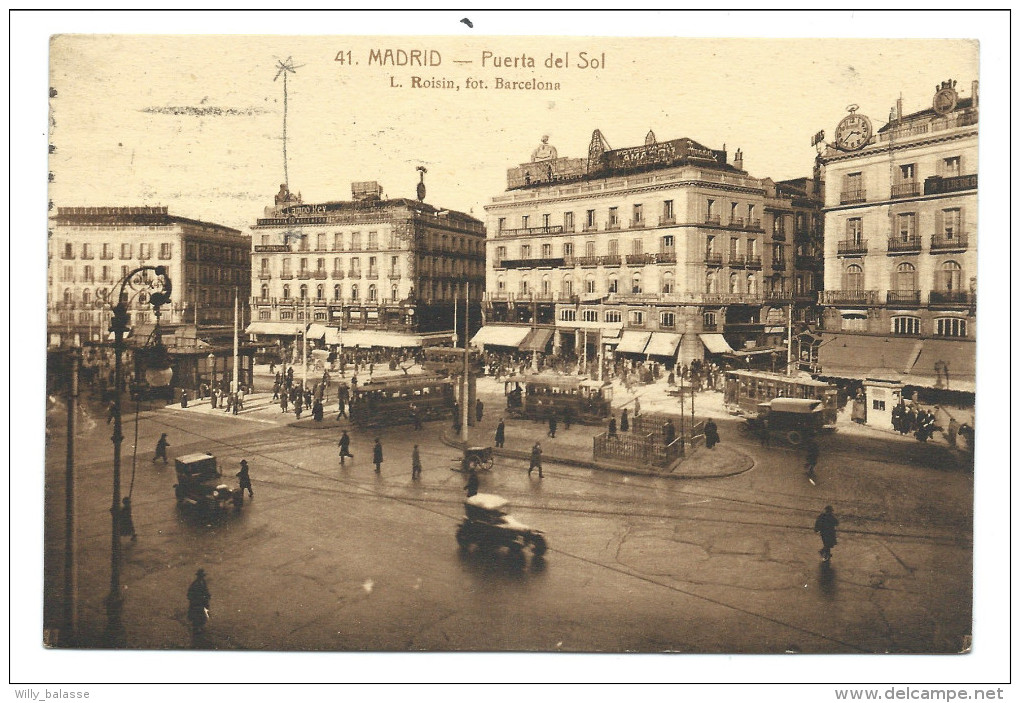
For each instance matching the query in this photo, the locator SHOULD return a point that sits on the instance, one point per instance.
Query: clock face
(853, 132)
(945, 101)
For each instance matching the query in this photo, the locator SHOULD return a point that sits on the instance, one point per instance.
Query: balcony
(903, 297)
(612, 226)
(951, 297)
(847, 197)
(532, 263)
(265, 275)
(372, 275)
(640, 259)
(712, 220)
(848, 297)
(752, 262)
(592, 227)
(337, 274)
(943, 242)
(904, 245)
(107, 256)
(713, 259)
(906, 190)
(736, 261)
(779, 264)
(737, 222)
(611, 260)
(321, 274)
(549, 229)
(638, 224)
(753, 224)
(286, 276)
(394, 275)
(354, 273)
(587, 261)
(851, 247)
(667, 221)
(304, 275)
(665, 257)
(88, 257)
(939, 184)
(779, 235)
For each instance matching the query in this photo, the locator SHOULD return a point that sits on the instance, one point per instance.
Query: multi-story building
(366, 272)
(93, 248)
(660, 251)
(901, 246)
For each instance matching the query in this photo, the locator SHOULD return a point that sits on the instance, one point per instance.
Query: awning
(663, 344)
(633, 342)
(332, 336)
(716, 343)
(536, 340)
(861, 356)
(500, 336)
(366, 339)
(289, 329)
(775, 330)
(944, 363)
(316, 331)
(758, 352)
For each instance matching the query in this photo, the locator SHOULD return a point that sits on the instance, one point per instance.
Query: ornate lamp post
(156, 363)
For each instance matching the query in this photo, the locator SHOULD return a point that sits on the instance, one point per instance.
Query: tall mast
(236, 367)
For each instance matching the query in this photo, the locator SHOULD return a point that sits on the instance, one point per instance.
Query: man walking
(552, 424)
(345, 447)
(245, 479)
(500, 433)
(472, 484)
(161, 446)
(478, 410)
(198, 602)
(415, 464)
(536, 460)
(825, 525)
(811, 459)
(377, 455)
(127, 523)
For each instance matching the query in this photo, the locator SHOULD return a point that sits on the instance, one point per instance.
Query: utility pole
(789, 340)
(70, 628)
(464, 411)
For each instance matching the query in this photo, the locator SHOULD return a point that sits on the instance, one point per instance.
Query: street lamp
(156, 364)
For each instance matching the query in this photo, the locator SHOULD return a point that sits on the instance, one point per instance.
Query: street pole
(304, 349)
(70, 628)
(464, 412)
(683, 432)
(114, 635)
(234, 385)
(789, 339)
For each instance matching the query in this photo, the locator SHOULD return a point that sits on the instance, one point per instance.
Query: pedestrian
(377, 458)
(765, 432)
(244, 479)
(536, 460)
(568, 416)
(345, 447)
(239, 403)
(283, 401)
(198, 602)
(125, 522)
(811, 459)
(612, 427)
(415, 464)
(317, 410)
(552, 424)
(637, 407)
(299, 405)
(478, 410)
(670, 432)
(111, 410)
(500, 433)
(214, 398)
(472, 483)
(203, 391)
(825, 525)
(711, 434)
(415, 416)
(184, 399)
(624, 421)
(161, 446)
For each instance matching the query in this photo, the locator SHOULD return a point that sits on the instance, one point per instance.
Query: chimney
(899, 109)
(738, 160)
(973, 93)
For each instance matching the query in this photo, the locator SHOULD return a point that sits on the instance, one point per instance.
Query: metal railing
(903, 297)
(941, 242)
(666, 221)
(900, 244)
(713, 259)
(906, 190)
(712, 219)
(852, 196)
(951, 297)
(852, 246)
(848, 297)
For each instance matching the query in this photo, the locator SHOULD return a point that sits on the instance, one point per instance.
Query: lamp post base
(114, 636)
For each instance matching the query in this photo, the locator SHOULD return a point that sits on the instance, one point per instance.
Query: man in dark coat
(500, 433)
(415, 464)
(711, 434)
(669, 432)
(612, 427)
(478, 410)
(377, 455)
(345, 447)
(127, 524)
(825, 525)
(198, 602)
(283, 401)
(317, 412)
(415, 416)
(552, 424)
(811, 459)
(161, 446)
(624, 421)
(244, 479)
(536, 460)
(184, 399)
(472, 483)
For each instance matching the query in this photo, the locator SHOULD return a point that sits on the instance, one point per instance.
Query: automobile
(200, 484)
(488, 526)
(792, 419)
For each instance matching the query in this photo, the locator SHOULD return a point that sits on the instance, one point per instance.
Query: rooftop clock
(945, 98)
(854, 131)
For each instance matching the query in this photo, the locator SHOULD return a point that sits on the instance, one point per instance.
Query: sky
(766, 90)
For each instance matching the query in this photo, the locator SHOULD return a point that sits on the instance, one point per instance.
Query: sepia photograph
(486, 336)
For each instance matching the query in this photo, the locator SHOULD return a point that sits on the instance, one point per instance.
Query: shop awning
(862, 356)
(316, 331)
(944, 363)
(662, 344)
(289, 329)
(716, 343)
(500, 336)
(366, 339)
(536, 340)
(633, 342)
(332, 336)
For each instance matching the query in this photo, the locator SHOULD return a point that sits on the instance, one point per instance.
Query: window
(501, 284)
(500, 254)
(614, 247)
(668, 243)
(667, 283)
(734, 247)
(636, 246)
(303, 266)
(545, 221)
(778, 256)
(86, 297)
(372, 266)
(752, 247)
(320, 242)
(950, 277)
(639, 216)
(338, 241)
(568, 222)
(951, 223)
(950, 327)
(547, 284)
(906, 277)
(612, 316)
(373, 240)
(355, 241)
(855, 323)
(373, 294)
(524, 222)
(303, 244)
(589, 219)
(393, 292)
(667, 211)
(951, 167)
(906, 325)
(524, 286)
(589, 248)
(750, 215)
(636, 317)
(614, 284)
(86, 251)
(667, 320)
(304, 292)
(877, 404)
(144, 251)
(734, 283)
(107, 251)
(614, 216)
(320, 292)
(710, 320)
(711, 282)
(525, 251)
(635, 283)
(568, 315)
(394, 240)
(354, 292)
(710, 245)
(854, 182)
(68, 274)
(854, 277)
(546, 251)
(69, 250)
(568, 249)
(733, 211)
(589, 284)
(286, 314)
(854, 229)
(907, 173)
(355, 266)
(286, 291)
(778, 224)
(906, 226)
(710, 208)
(568, 286)
(265, 314)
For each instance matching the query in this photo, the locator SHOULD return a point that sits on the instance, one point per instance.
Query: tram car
(576, 398)
(389, 401)
(745, 391)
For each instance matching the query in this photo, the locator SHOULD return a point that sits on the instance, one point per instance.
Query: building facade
(92, 249)
(366, 272)
(901, 246)
(664, 252)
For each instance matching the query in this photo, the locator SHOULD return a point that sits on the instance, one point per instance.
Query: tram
(388, 401)
(746, 390)
(577, 398)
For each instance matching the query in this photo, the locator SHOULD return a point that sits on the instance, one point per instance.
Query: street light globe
(159, 378)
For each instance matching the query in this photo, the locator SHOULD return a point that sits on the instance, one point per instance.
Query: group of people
(913, 419)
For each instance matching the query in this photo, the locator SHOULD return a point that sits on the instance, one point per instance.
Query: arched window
(951, 276)
(752, 284)
(635, 283)
(286, 291)
(906, 277)
(372, 294)
(568, 285)
(354, 291)
(546, 285)
(86, 297)
(101, 295)
(711, 284)
(614, 284)
(667, 282)
(524, 286)
(320, 292)
(336, 292)
(734, 283)
(265, 291)
(589, 283)
(501, 284)
(304, 292)
(393, 292)
(854, 277)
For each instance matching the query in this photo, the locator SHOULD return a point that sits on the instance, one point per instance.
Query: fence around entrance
(645, 443)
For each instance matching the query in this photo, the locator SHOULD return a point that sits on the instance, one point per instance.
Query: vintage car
(200, 484)
(487, 525)
(792, 419)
